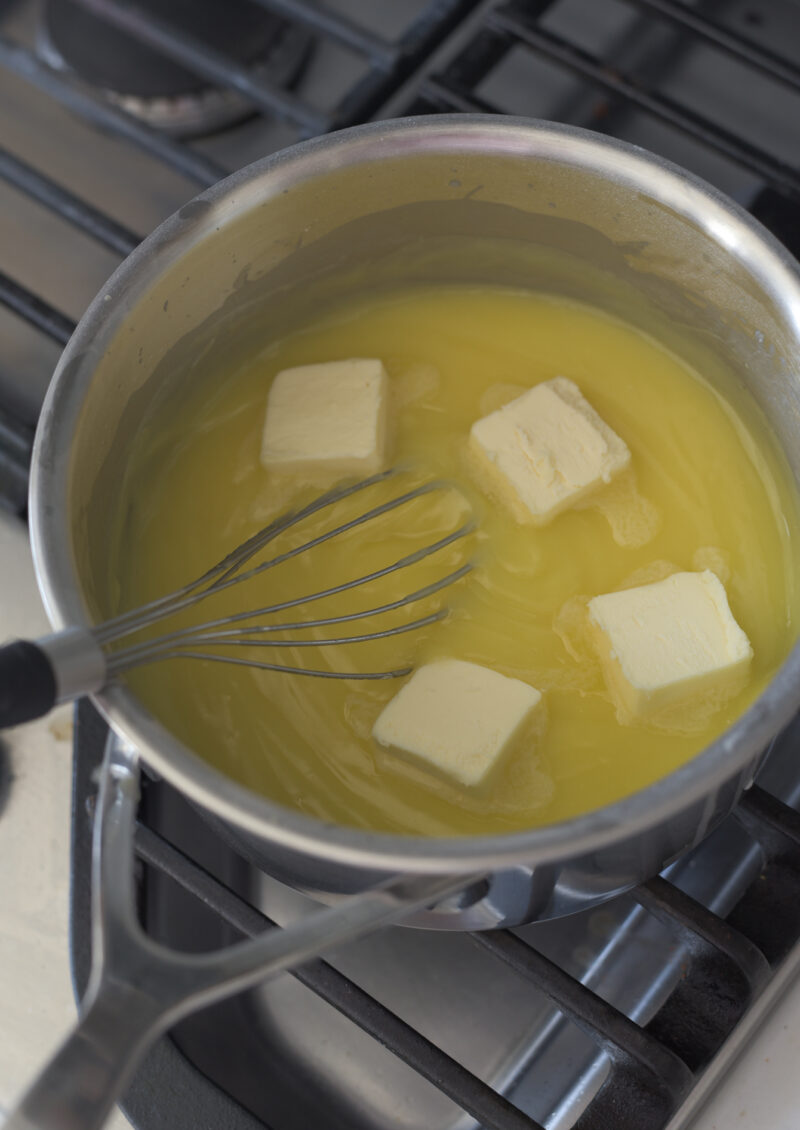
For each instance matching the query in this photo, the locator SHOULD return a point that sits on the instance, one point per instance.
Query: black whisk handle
(28, 685)
(35, 675)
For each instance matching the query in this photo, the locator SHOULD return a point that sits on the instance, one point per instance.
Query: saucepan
(447, 198)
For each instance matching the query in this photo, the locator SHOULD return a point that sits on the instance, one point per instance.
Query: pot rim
(58, 580)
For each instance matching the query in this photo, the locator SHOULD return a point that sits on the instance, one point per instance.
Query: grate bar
(70, 207)
(695, 921)
(769, 911)
(473, 1095)
(426, 34)
(693, 125)
(483, 53)
(101, 114)
(35, 311)
(664, 1076)
(770, 821)
(445, 96)
(759, 58)
(319, 18)
(725, 973)
(16, 443)
(207, 62)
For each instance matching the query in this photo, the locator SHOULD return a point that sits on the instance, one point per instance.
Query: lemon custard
(703, 492)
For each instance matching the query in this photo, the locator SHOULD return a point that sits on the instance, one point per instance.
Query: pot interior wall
(272, 252)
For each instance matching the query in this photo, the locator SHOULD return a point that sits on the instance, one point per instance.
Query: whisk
(34, 676)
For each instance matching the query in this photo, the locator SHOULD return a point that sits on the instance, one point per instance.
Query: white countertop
(36, 1002)
(37, 1006)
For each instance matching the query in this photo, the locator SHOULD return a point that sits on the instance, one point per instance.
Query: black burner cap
(114, 60)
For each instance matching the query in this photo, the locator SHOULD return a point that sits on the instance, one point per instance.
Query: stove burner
(153, 87)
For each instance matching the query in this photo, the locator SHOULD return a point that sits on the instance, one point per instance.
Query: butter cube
(547, 450)
(332, 416)
(671, 642)
(457, 717)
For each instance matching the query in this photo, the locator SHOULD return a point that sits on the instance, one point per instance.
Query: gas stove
(404, 1029)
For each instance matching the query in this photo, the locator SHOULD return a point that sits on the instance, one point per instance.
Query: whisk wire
(259, 540)
(158, 651)
(202, 633)
(183, 643)
(113, 628)
(397, 673)
(402, 563)
(186, 597)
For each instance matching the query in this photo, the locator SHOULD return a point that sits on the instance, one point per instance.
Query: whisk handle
(27, 683)
(35, 675)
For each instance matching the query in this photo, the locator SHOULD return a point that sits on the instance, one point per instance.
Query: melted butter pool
(708, 490)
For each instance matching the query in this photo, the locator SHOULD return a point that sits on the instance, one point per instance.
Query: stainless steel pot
(448, 198)
(466, 198)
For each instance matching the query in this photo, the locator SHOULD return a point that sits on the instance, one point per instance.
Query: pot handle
(36, 675)
(138, 988)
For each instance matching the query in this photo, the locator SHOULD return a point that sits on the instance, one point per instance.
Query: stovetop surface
(723, 103)
(322, 1048)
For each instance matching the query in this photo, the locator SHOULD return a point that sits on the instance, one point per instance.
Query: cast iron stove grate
(636, 1059)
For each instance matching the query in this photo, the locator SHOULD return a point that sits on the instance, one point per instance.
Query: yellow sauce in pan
(708, 490)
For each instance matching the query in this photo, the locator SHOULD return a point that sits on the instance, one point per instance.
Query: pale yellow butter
(332, 416)
(670, 642)
(547, 450)
(458, 718)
